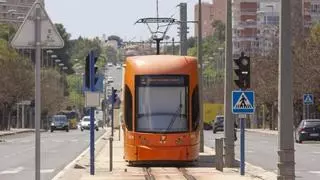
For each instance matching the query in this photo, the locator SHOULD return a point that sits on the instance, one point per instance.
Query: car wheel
(97, 129)
(67, 129)
(51, 130)
(214, 131)
(81, 129)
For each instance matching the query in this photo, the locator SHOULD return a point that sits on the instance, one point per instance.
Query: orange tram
(160, 109)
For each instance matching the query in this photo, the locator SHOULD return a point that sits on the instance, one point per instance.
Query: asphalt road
(116, 74)
(261, 150)
(17, 153)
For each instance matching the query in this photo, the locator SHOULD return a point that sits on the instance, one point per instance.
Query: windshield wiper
(174, 117)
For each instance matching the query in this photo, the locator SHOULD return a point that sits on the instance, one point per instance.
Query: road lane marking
(74, 140)
(46, 170)
(57, 141)
(314, 172)
(316, 152)
(12, 171)
(25, 141)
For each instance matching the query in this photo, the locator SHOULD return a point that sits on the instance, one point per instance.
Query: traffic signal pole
(92, 125)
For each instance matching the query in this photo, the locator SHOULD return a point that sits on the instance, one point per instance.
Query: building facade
(14, 11)
(207, 19)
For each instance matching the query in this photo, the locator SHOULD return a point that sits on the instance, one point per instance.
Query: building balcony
(243, 38)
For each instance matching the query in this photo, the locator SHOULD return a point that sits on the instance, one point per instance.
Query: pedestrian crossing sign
(307, 99)
(243, 102)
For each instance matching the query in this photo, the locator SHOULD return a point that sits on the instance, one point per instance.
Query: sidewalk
(16, 131)
(265, 131)
(79, 169)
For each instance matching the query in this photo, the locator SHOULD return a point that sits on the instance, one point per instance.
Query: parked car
(85, 123)
(218, 124)
(308, 129)
(59, 122)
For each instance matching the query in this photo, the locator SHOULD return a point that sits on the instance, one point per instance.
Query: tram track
(149, 175)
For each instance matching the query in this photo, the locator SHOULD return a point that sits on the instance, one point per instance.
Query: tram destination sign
(162, 80)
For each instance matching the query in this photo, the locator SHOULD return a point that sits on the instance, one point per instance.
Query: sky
(91, 18)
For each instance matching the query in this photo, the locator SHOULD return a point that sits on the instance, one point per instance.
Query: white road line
(314, 172)
(74, 140)
(57, 141)
(12, 171)
(25, 141)
(46, 170)
(316, 152)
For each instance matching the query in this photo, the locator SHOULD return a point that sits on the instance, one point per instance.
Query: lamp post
(48, 52)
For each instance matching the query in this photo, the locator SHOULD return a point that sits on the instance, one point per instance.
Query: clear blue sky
(90, 18)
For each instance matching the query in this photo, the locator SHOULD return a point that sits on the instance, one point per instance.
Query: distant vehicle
(308, 129)
(218, 124)
(72, 116)
(59, 122)
(85, 123)
(118, 66)
(109, 64)
(110, 79)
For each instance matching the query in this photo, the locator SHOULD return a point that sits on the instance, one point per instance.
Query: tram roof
(160, 62)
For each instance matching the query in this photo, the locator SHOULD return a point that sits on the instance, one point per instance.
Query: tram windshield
(162, 107)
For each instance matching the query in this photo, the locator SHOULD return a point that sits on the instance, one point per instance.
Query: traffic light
(243, 72)
(90, 64)
(95, 75)
(87, 72)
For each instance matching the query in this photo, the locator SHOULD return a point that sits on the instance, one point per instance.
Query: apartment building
(244, 26)
(219, 10)
(207, 19)
(14, 11)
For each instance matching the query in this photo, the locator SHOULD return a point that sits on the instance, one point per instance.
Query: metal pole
(200, 74)
(158, 46)
(173, 46)
(286, 163)
(37, 91)
(22, 116)
(112, 106)
(183, 29)
(228, 123)
(110, 152)
(92, 128)
(242, 145)
(18, 116)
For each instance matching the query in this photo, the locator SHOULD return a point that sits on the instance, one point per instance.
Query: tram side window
(195, 108)
(128, 108)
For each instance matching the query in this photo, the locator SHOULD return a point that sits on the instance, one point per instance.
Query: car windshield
(60, 119)
(86, 119)
(220, 119)
(312, 123)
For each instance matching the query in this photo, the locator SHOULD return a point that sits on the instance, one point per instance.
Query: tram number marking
(163, 139)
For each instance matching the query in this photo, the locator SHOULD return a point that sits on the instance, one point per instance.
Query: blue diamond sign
(243, 102)
(308, 99)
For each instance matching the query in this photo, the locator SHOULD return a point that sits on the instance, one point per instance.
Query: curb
(262, 131)
(20, 132)
(72, 163)
(260, 172)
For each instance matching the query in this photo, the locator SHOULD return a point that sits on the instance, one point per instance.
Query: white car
(109, 64)
(118, 66)
(110, 79)
(85, 123)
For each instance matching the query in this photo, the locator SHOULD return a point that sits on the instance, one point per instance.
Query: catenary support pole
(286, 162)
(200, 74)
(228, 123)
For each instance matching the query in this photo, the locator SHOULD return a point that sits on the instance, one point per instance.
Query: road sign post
(242, 104)
(92, 125)
(37, 32)
(307, 101)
